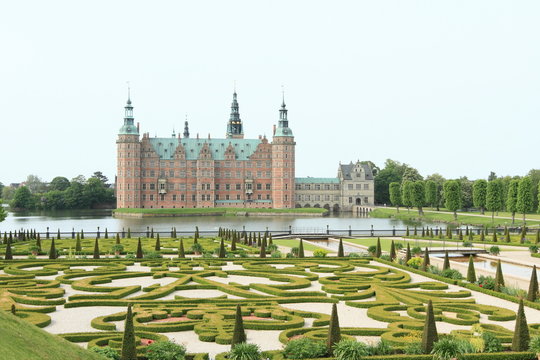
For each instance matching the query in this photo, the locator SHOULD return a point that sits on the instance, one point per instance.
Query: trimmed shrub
(341, 252)
(165, 350)
(348, 349)
(239, 335)
(139, 254)
(429, 335)
(245, 351)
(129, 349)
(521, 339)
(533, 286)
(106, 351)
(499, 278)
(301, 249)
(494, 250)
(320, 253)
(334, 332)
(304, 348)
(471, 273)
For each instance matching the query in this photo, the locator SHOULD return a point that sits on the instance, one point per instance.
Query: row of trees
(395, 171)
(79, 193)
(494, 196)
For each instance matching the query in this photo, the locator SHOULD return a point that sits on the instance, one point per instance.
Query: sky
(449, 87)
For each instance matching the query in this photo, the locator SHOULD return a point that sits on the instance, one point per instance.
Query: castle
(185, 172)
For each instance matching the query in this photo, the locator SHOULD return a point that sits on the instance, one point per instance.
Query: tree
(59, 183)
(499, 278)
(129, 349)
(395, 194)
(393, 171)
(511, 198)
(432, 193)
(479, 194)
(181, 252)
(262, 253)
(471, 273)
(99, 175)
(341, 252)
(494, 197)
(52, 251)
(418, 195)
(446, 264)
(334, 332)
(221, 254)
(35, 184)
(23, 199)
(165, 350)
(378, 251)
(521, 339)
(139, 250)
(534, 174)
(96, 249)
(301, 249)
(406, 194)
(525, 197)
(439, 181)
(452, 196)
(408, 253)
(392, 251)
(9, 253)
(429, 335)
(239, 334)
(3, 213)
(426, 261)
(466, 187)
(157, 246)
(532, 294)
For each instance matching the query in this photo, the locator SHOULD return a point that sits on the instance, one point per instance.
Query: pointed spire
(186, 129)
(234, 127)
(283, 125)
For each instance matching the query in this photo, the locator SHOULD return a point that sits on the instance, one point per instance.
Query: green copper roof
(166, 147)
(283, 131)
(314, 180)
(128, 129)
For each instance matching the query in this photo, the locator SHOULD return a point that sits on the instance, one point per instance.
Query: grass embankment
(295, 243)
(21, 340)
(386, 243)
(221, 211)
(462, 219)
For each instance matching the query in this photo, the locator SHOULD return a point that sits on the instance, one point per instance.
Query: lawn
(463, 219)
(385, 243)
(21, 340)
(295, 243)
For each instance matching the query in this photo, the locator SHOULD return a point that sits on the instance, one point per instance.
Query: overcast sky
(446, 86)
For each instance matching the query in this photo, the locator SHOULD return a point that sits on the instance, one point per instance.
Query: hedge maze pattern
(388, 294)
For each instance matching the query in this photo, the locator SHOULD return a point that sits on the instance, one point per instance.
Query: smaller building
(353, 190)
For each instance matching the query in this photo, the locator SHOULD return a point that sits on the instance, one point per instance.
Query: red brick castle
(186, 172)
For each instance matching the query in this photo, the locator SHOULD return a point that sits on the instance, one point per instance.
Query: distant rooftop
(316, 180)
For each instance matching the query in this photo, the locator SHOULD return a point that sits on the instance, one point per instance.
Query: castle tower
(283, 172)
(128, 162)
(235, 129)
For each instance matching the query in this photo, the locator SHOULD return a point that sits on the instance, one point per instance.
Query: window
(143, 197)
(317, 187)
(152, 186)
(238, 174)
(267, 196)
(174, 197)
(151, 197)
(226, 197)
(227, 187)
(217, 197)
(162, 197)
(144, 186)
(193, 187)
(358, 186)
(237, 197)
(182, 186)
(298, 186)
(350, 200)
(203, 197)
(249, 186)
(365, 200)
(336, 187)
(350, 186)
(162, 173)
(162, 186)
(171, 173)
(238, 186)
(259, 186)
(217, 186)
(307, 187)
(268, 186)
(182, 197)
(152, 173)
(366, 186)
(259, 174)
(259, 197)
(286, 186)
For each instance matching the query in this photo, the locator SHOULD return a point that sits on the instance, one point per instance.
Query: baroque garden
(204, 292)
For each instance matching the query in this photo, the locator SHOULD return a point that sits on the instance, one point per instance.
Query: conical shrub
(129, 348)
(408, 254)
(262, 254)
(446, 264)
(52, 250)
(139, 254)
(239, 334)
(532, 294)
(9, 253)
(392, 251)
(340, 252)
(301, 249)
(78, 247)
(96, 249)
(429, 335)
(181, 252)
(471, 272)
(334, 332)
(157, 247)
(221, 249)
(425, 263)
(499, 277)
(378, 250)
(521, 339)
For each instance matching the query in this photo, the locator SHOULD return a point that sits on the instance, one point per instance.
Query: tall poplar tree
(494, 200)
(479, 194)
(452, 196)
(432, 193)
(525, 197)
(418, 195)
(511, 198)
(395, 194)
(406, 194)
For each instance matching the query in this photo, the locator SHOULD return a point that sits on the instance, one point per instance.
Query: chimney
(274, 131)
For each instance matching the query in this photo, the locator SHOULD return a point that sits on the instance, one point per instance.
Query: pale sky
(446, 86)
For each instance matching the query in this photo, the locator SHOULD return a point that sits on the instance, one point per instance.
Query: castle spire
(283, 125)
(129, 126)
(186, 129)
(234, 127)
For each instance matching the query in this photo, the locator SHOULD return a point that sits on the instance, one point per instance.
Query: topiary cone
(181, 252)
(392, 251)
(532, 294)
(221, 249)
(429, 335)
(446, 264)
(521, 339)
(139, 254)
(52, 250)
(341, 252)
(408, 254)
(157, 247)
(499, 278)
(425, 263)
(129, 348)
(9, 253)
(301, 249)
(378, 250)
(96, 249)
(239, 334)
(334, 332)
(471, 272)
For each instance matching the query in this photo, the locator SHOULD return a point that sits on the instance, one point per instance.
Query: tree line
(515, 196)
(60, 193)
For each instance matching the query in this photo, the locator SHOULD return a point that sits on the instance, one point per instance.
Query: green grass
(463, 219)
(295, 243)
(21, 340)
(221, 211)
(385, 243)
